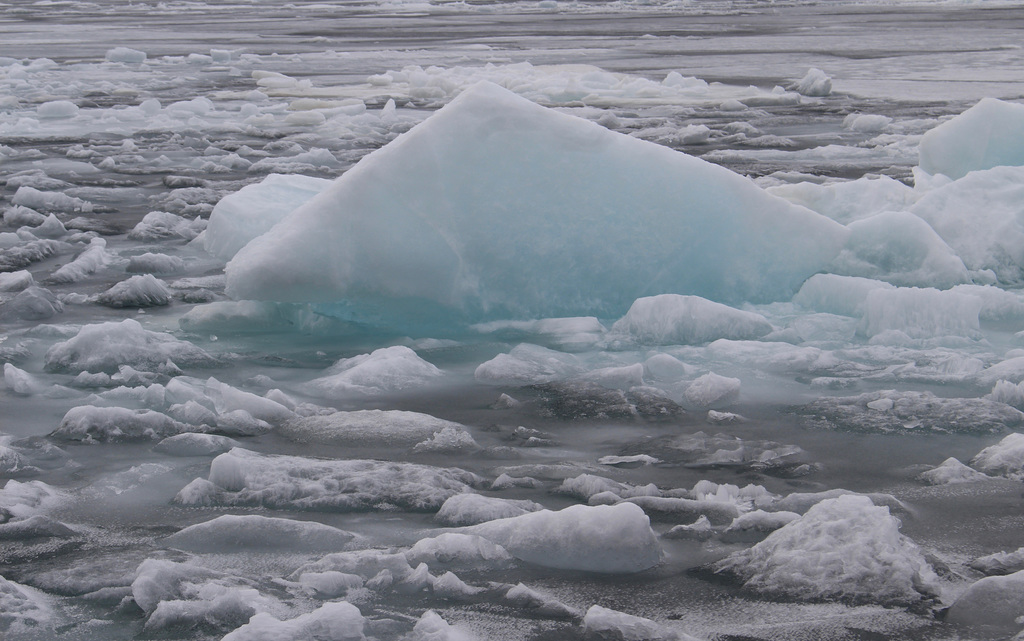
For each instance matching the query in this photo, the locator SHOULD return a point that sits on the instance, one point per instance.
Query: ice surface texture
(495, 206)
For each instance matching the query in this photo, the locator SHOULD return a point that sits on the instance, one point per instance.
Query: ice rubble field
(453, 340)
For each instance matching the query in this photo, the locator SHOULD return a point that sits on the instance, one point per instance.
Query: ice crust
(845, 548)
(483, 244)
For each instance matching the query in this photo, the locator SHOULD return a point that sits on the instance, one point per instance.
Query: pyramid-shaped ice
(495, 206)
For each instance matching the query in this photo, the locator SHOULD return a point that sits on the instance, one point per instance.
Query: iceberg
(496, 207)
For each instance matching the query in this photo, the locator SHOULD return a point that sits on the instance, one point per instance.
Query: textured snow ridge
(844, 548)
(482, 204)
(244, 478)
(605, 538)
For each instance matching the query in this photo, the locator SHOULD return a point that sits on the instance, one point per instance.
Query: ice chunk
(712, 390)
(815, 83)
(16, 281)
(368, 427)
(866, 123)
(800, 502)
(336, 621)
(539, 603)
(921, 313)
(1000, 563)
(138, 291)
(900, 248)
(1005, 458)
(33, 303)
(484, 224)
(849, 201)
(25, 500)
(227, 399)
(231, 533)
(949, 472)
(162, 225)
(671, 319)
(57, 109)
(34, 527)
(104, 347)
(757, 524)
(600, 624)
(21, 382)
(586, 486)
(455, 551)
(193, 444)
(574, 334)
(979, 217)
(431, 627)
(604, 538)
(450, 440)
(989, 134)
(23, 610)
(115, 424)
(158, 580)
(125, 54)
(253, 210)
(844, 548)
(665, 367)
(331, 584)
(470, 509)
(992, 605)
(245, 478)
(910, 412)
(49, 200)
(528, 364)
(151, 263)
(388, 369)
(368, 564)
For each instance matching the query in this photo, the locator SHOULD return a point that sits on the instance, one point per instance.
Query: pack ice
(497, 207)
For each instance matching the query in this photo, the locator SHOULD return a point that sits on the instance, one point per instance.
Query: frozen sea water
(178, 464)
